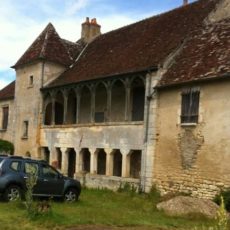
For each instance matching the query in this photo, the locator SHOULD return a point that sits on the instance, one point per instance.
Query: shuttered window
(190, 105)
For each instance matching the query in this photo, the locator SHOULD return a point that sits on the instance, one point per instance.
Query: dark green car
(14, 171)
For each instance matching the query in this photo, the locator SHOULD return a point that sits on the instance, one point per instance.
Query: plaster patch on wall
(189, 144)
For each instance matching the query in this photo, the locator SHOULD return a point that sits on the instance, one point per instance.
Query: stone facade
(109, 127)
(193, 158)
(28, 104)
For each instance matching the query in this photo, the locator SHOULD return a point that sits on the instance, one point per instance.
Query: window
(31, 80)
(25, 129)
(190, 105)
(49, 172)
(31, 168)
(15, 166)
(5, 114)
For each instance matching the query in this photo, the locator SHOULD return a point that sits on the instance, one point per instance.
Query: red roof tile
(7, 92)
(139, 46)
(205, 55)
(51, 47)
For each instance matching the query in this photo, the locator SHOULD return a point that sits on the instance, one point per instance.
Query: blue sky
(22, 21)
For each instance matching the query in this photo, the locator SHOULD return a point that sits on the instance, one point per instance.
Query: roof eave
(207, 79)
(146, 70)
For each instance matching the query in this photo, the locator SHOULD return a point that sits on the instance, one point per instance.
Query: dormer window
(31, 80)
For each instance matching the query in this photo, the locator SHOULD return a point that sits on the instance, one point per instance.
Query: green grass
(99, 207)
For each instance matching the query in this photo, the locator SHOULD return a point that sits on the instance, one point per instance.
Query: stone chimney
(90, 30)
(185, 2)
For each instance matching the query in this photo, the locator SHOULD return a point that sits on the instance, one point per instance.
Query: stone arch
(47, 119)
(59, 108)
(135, 163)
(118, 98)
(85, 105)
(101, 162)
(71, 107)
(46, 154)
(117, 163)
(137, 99)
(59, 158)
(100, 103)
(85, 160)
(71, 162)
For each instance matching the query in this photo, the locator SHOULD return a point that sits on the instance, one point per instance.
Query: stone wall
(9, 132)
(194, 158)
(28, 104)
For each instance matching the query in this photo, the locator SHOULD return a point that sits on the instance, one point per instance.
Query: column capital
(125, 151)
(108, 150)
(64, 150)
(92, 150)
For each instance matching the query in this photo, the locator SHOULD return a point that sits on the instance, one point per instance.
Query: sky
(21, 21)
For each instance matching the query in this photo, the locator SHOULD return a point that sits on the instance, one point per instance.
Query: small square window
(190, 105)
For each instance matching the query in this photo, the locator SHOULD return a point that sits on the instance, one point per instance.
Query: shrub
(226, 197)
(6, 147)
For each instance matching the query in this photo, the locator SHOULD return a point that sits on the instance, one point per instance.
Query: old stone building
(136, 105)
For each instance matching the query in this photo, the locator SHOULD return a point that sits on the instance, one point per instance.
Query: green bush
(6, 146)
(226, 196)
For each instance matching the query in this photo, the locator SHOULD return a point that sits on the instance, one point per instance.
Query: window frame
(5, 118)
(190, 103)
(25, 129)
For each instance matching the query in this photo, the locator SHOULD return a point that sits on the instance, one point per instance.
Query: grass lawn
(100, 208)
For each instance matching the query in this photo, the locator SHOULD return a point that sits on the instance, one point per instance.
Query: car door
(31, 172)
(52, 183)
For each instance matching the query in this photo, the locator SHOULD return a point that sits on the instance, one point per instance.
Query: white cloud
(76, 5)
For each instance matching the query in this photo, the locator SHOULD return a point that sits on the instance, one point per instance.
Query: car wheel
(71, 195)
(12, 193)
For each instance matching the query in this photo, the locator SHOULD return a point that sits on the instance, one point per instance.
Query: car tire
(71, 195)
(12, 193)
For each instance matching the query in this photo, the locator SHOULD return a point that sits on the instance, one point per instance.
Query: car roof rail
(15, 157)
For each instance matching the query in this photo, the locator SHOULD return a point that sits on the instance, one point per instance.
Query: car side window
(48, 172)
(31, 168)
(15, 166)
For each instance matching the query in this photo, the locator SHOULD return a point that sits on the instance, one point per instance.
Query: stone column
(109, 102)
(53, 155)
(78, 163)
(53, 111)
(127, 100)
(78, 93)
(65, 95)
(124, 153)
(64, 166)
(92, 104)
(109, 162)
(93, 161)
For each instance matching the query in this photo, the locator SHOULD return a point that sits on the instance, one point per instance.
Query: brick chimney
(185, 2)
(90, 30)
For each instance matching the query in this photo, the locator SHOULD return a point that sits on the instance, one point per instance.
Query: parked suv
(14, 171)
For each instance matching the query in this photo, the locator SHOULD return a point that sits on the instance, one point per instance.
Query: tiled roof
(206, 55)
(139, 46)
(7, 92)
(51, 47)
